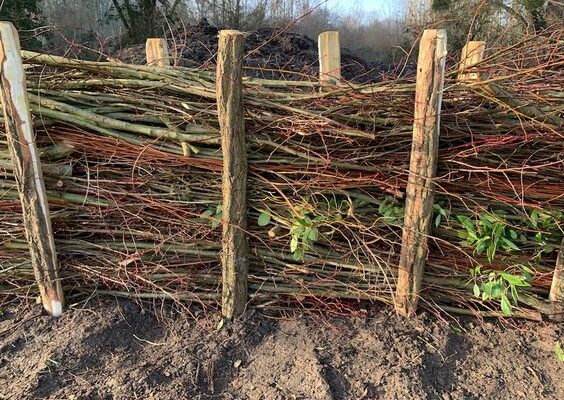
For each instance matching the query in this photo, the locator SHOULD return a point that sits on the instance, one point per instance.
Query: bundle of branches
(132, 166)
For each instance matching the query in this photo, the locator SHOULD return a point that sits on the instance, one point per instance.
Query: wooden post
(157, 53)
(329, 58)
(422, 169)
(27, 170)
(235, 255)
(556, 295)
(472, 54)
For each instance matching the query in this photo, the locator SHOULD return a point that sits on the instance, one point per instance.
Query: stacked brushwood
(132, 166)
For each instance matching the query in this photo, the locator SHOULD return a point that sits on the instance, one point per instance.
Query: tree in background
(26, 17)
(145, 18)
(495, 21)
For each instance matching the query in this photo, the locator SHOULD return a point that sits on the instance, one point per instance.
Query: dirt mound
(270, 53)
(115, 350)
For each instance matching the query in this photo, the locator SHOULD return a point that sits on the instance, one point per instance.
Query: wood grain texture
(329, 46)
(156, 51)
(27, 170)
(235, 256)
(556, 295)
(472, 54)
(422, 169)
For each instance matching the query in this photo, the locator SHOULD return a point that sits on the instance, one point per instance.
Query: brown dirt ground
(114, 349)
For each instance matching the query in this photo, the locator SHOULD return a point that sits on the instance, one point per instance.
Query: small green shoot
(304, 231)
(440, 214)
(489, 233)
(391, 211)
(501, 286)
(214, 215)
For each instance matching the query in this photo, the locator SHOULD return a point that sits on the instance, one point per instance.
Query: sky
(383, 8)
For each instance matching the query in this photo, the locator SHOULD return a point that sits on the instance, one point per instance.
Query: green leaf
(534, 218)
(505, 306)
(299, 254)
(462, 219)
(513, 234)
(515, 280)
(514, 294)
(491, 251)
(208, 213)
(488, 218)
(497, 290)
(294, 244)
(476, 290)
(313, 235)
(462, 234)
(298, 231)
(438, 220)
(319, 218)
(526, 269)
(508, 244)
(216, 222)
(219, 209)
(263, 219)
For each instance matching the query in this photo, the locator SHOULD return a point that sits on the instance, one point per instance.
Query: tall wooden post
(472, 54)
(556, 295)
(156, 50)
(422, 169)
(27, 170)
(235, 257)
(329, 58)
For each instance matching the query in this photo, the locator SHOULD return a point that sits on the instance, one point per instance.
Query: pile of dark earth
(269, 53)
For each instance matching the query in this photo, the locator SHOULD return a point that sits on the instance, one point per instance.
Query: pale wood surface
(329, 57)
(156, 50)
(472, 54)
(27, 170)
(235, 256)
(556, 295)
(422, 169)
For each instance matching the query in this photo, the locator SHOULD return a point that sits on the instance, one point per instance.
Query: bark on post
(235, 255)
(422, 169)
(556, 295)
(472, 54)
(329, 58)
(156, 50)
(27, 170)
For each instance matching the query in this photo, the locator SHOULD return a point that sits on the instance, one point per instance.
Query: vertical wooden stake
(156, 50)
(422, 169)
(329, 58)
(472, 54)
(556, 295)
(27, 170)
(235, 255)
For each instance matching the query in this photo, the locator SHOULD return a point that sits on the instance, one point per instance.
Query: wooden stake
(156, 50)
(329, 58)
(235, 255)
(556, 295)
(422, 169)
(472, 54)
(27, 170)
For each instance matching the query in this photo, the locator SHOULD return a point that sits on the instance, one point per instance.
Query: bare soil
(114, 349)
